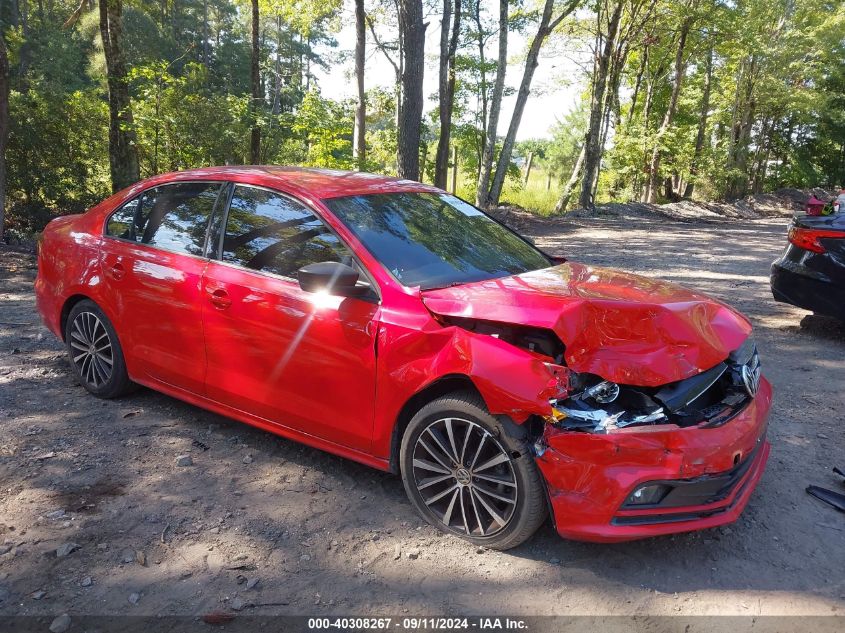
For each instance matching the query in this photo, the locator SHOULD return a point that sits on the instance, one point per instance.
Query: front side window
(272, 233)
(170, 217)
(433, 240)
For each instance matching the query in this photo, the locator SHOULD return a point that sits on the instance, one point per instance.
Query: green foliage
(322, 130)
(566, 142)
(776, 114)
(180, 123)
(54, 167)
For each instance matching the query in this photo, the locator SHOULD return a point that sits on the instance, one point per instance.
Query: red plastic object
(814, 206)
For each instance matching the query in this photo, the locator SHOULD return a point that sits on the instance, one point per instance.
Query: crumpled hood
(622, 327)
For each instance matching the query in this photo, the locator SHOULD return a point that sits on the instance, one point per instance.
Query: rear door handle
(219, 298)
(117, 270)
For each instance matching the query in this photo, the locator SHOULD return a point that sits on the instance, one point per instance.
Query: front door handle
(219, 299)
(117, 271)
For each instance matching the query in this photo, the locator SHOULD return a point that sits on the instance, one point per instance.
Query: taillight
(808, 239)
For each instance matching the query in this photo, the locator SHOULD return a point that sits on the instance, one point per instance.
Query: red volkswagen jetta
(394, 324)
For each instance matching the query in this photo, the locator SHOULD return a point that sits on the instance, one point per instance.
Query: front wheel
(95, 352)
(467, 476)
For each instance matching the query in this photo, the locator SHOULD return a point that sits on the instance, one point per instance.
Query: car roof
(319, 183)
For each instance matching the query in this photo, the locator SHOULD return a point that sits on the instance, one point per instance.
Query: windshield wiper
(451, 284)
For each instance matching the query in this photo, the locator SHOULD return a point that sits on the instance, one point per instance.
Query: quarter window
(121, 222)
(272, 233)
(171, 217)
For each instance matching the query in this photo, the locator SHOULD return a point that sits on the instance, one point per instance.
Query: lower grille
(704, 490)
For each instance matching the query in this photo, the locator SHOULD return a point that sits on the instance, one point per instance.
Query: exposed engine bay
(537, 340)
(708, 399)
(595, 405)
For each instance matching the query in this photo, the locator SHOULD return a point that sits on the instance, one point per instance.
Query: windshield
(435, 240)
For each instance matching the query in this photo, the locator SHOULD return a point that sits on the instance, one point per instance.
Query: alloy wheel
(465, 477)
(91, 349)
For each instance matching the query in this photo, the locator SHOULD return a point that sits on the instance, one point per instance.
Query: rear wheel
(467, 476)
(95, 352)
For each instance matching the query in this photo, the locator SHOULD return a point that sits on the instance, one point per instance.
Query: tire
(99, 367)
(494, 496)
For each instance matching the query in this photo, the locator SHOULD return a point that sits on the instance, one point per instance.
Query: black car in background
(811, 272)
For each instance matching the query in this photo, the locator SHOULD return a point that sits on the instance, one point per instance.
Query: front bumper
(590, 476)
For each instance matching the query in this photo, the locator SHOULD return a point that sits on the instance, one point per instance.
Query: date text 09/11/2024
(412, 623)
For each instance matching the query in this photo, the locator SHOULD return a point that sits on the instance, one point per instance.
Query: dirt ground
(262, 525)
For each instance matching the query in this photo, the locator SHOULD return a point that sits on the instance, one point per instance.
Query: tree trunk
(123, 152)
(701, 133)
(359, 150)
(307, 50)
(764, 147)
(454, 169)
(20, 16)
(743, 120)
(656, 154)
(440, 174)
(4, 130)
(566, 195)
(611, 99)
(651, 81)
(397, 70)
(592, 141)
(400, 69)
(206, 51)
(408, 134)
(481, 192)
(546, 26)
(637, 85)
(649, 96)
(277, 69)
(529, 161)
(448, 49)
(483, 88)
(255, 137)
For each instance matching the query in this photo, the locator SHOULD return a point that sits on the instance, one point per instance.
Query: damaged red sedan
(394, 324)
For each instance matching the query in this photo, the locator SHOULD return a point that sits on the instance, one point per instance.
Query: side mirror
(332, 277)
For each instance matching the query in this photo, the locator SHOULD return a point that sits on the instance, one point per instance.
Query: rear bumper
(806, 288)
(589, 477)
(45, 303)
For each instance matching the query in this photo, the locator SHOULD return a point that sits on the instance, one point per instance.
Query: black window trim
(218, 255)
(205, 253)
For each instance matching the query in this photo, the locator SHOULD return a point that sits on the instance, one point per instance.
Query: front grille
(713, 397)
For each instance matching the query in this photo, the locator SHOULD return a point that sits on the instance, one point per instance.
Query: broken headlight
(601, 406)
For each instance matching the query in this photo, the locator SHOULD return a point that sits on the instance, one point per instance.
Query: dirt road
(266, 526)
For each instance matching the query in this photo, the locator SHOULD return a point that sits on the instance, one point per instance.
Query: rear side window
(170, 217)
(270, 232)
(122, 221)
